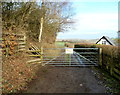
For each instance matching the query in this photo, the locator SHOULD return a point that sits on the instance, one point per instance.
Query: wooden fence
(36, 53)
(12, 43)
(21, 42)
(111, 64)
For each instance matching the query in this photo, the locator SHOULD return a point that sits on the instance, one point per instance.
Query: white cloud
(96, 22)
(93, 24)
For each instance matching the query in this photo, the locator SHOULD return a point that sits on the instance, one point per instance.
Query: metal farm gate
(70, 56)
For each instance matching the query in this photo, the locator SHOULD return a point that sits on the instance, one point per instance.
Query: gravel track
(65, 80)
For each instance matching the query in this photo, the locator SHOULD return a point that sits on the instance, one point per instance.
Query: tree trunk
(41, 28)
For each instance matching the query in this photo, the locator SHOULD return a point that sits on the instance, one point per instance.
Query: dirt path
(65, 80)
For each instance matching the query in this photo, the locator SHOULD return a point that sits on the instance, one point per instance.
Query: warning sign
(69, 51)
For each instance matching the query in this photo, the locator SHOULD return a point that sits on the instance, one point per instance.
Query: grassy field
(59, 44)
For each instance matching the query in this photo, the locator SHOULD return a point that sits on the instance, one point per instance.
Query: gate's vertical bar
(70, 59)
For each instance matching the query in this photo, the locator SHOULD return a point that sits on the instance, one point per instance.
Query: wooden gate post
(100, 56)
(41, 53)
(41, 57)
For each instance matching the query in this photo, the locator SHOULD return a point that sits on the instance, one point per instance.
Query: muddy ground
(65, 80)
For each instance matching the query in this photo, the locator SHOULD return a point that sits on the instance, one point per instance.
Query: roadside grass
(112, 84)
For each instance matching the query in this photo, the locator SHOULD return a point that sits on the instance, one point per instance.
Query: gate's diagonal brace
(52, 59)
(84, 57)
(78, 59)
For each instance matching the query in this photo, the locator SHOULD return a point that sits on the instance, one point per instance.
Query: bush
(70, 45)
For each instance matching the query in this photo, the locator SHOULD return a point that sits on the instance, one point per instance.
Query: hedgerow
(110, 56)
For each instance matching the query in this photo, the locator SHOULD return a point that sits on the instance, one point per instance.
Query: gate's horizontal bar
(68, 54)
(73, 65)
(91, 55)
(72, 48)
(53, 56)
(49, 53)
(90, 59)
(71, 61)
(62, 58)
(88, 53)
(95, 53)
(64, 55)
(72, 56)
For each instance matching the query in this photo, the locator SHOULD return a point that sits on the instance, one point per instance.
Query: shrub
(70, 45)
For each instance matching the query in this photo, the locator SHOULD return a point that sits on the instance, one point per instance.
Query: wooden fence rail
(35, 52)
(7, 42)
(113, 67)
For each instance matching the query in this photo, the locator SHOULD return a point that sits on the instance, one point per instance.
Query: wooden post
(41, 53)
(100, 56)
(111, 66)
(111, 70)
(41, 58)
(25, 41)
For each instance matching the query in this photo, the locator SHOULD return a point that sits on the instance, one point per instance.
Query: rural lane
(65, 80)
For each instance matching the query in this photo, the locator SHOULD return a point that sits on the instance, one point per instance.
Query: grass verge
(111, 84)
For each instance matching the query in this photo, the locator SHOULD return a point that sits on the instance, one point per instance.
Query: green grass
(59, 43)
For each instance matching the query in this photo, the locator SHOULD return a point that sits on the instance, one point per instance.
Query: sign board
(69, 51)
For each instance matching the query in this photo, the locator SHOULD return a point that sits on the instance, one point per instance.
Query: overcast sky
(93, 20)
